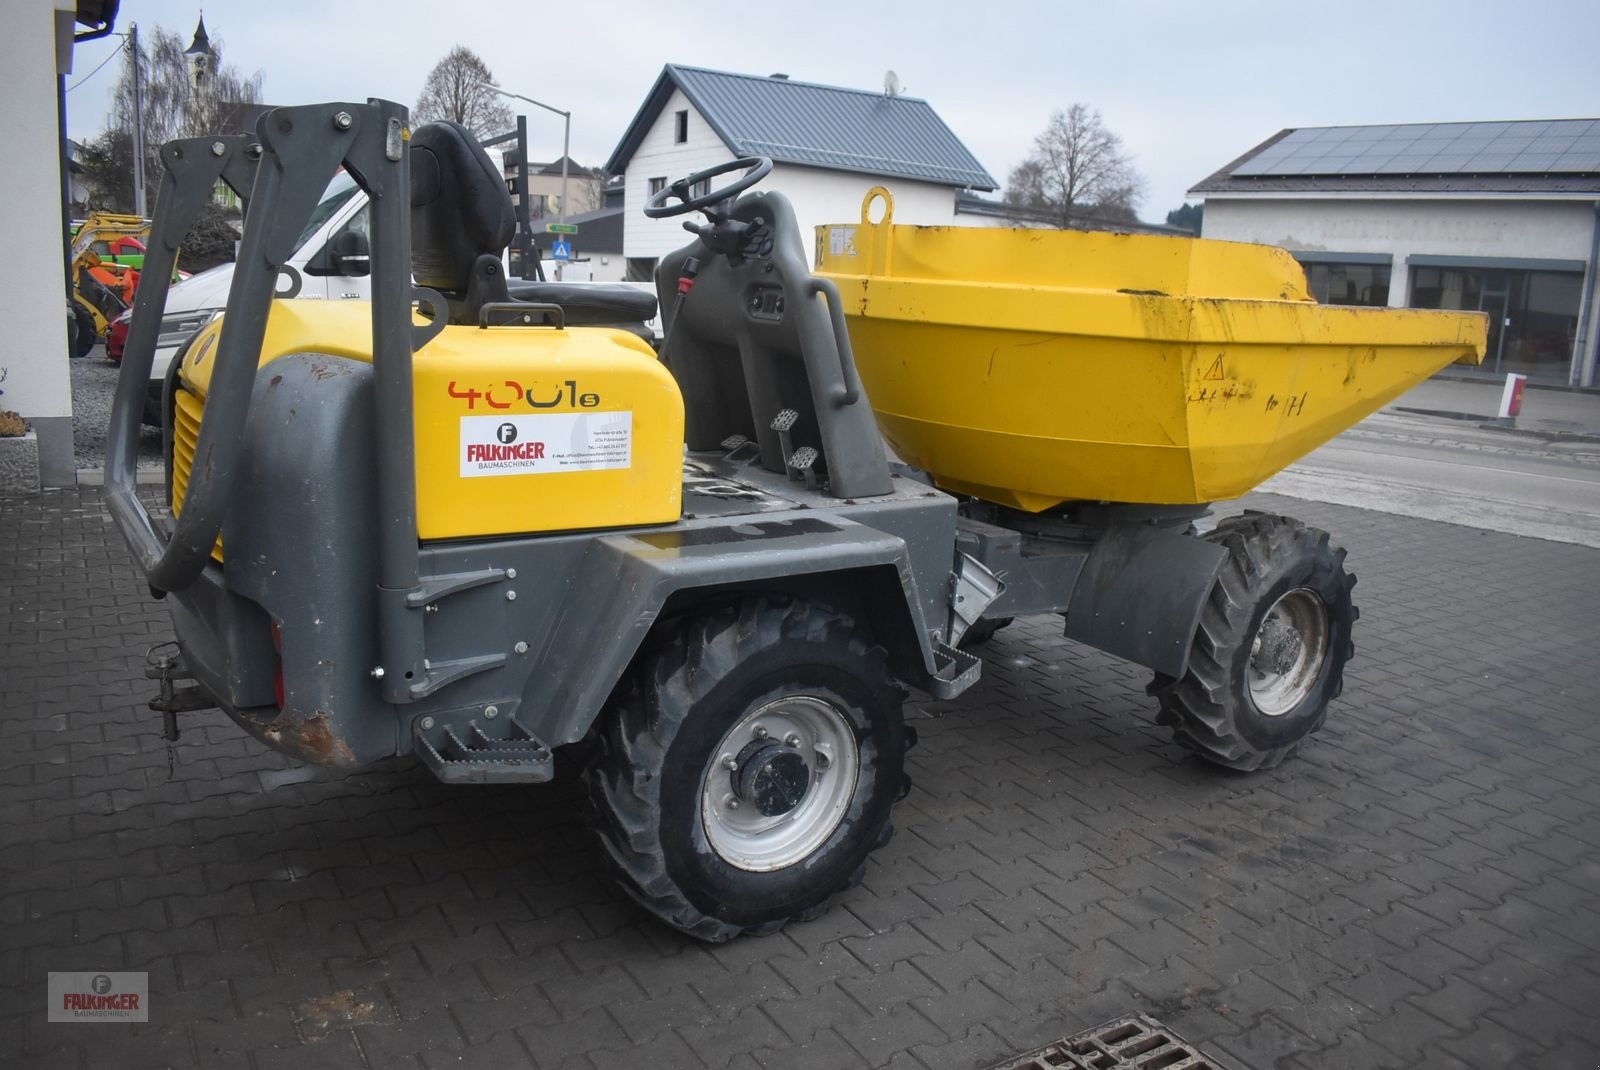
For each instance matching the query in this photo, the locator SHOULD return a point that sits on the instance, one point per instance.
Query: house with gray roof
(1499, 217)
(829, 145)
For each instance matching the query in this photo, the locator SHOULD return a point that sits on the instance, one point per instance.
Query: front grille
(186, 413)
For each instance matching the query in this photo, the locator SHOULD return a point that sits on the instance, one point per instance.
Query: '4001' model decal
(508, 393)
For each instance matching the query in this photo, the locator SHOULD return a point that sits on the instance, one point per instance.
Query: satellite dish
(891, 84)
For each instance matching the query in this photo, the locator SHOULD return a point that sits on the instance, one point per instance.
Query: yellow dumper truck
(450, 525)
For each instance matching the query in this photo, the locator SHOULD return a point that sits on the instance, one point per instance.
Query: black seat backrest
(462, 220)
(460, 208)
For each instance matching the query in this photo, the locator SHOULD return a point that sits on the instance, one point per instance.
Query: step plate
(470, 747)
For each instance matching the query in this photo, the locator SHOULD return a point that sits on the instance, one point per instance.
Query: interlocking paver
(1418, 888)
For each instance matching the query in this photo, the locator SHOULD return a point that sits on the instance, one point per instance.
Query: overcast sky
(1187, 86)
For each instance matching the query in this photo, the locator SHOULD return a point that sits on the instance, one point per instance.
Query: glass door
(1494, 299)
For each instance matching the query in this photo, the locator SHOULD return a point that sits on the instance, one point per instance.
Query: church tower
(199, 56)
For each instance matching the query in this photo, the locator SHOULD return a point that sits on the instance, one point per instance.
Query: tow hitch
(166, 665)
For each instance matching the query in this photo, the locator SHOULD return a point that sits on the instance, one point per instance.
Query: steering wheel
(755, 168)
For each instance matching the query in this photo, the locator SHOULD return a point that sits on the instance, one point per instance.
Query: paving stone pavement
(1420, 889)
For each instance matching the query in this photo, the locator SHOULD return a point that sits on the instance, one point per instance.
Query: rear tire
(1271, 648)
(748, 766)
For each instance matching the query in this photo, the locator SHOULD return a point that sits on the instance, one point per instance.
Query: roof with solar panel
(1523, 156)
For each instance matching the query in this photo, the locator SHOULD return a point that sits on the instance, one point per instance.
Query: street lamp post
(566, 138)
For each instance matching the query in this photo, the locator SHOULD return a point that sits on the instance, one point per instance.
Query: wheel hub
(779, 783)
(771, 776)
(1288, 652)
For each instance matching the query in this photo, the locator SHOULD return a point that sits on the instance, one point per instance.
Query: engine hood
(209, 289)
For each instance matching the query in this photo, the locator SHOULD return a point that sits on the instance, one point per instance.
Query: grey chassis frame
(481, 656)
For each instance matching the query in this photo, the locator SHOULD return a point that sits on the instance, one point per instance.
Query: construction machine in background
(105, 261)
(448, 524)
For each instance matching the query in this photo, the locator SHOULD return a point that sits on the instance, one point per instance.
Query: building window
(680, 127)
(1533, 315)
(700, 188)
(1334, 283)
(657, 185)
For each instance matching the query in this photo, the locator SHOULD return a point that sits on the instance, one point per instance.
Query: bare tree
(1077, 174)
(172, 105)
(455, 90)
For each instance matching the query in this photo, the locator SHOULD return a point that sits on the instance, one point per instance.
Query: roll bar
(282, 173)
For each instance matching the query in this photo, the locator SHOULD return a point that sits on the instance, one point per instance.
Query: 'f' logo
(507, 433)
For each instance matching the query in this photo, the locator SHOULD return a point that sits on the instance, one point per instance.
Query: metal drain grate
(1133, 1042)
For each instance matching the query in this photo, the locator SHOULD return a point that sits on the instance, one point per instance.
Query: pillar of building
(34, 50)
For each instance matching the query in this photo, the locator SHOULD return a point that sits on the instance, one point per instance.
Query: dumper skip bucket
(1030, 367)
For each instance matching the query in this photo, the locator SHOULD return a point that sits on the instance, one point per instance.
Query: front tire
(83, 335)
(1271, 648)
(748, 767)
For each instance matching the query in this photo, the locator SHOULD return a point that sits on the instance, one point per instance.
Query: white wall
(33, 345)
(611, 270)
(658, 156)
(822, 197)
(819, 196)
(1559, 230)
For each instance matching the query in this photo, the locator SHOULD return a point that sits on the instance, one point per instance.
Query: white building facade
(1390, 216)
(34, 52)
(818, 164)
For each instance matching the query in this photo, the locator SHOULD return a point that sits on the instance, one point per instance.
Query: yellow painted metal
(553, 387)
(1032, 367)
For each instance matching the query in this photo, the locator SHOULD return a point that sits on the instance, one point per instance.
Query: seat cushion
(589, 303)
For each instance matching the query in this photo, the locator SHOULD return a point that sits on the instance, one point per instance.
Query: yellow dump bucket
(1032, 367)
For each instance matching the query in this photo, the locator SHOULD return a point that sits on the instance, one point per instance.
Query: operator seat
(461, 221)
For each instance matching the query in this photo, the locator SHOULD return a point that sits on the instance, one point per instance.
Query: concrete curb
(96, 477)
(1491, 423)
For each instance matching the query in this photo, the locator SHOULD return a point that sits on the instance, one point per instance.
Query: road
(1456, 472)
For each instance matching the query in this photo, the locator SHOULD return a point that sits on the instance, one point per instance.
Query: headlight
(177, 328)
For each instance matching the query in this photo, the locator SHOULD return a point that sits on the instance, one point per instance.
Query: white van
(331, 261)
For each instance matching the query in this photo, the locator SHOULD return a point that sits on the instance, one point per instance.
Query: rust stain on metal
(322, 370)
(312, 739)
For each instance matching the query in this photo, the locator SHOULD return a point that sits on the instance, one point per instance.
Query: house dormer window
(680, 127)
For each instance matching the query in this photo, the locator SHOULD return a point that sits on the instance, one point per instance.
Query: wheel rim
(779, 783)
(1288, 651)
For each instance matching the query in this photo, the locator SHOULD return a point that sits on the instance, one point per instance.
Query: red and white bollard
(1511, 397)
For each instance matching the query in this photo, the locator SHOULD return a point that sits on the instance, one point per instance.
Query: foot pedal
(734, 445)
(955, 671)
(481, 746)
(783, 423)
(802, 461)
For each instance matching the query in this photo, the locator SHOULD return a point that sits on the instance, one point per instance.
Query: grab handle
(848, 392)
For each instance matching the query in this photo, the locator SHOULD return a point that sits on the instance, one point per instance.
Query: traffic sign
(561, 249)
(561, 228)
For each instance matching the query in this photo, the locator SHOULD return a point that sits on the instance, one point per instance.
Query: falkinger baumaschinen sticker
(549, 442)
